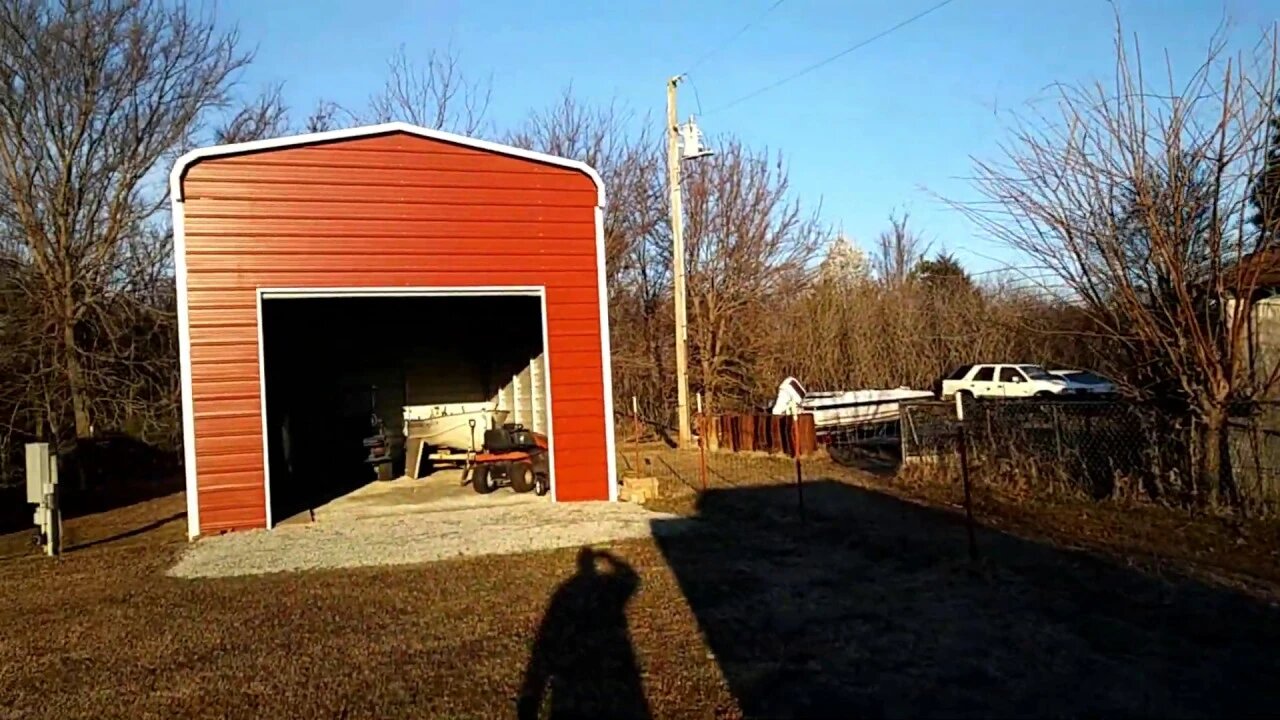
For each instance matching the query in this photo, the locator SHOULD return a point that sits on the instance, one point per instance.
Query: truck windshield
(1035, 372)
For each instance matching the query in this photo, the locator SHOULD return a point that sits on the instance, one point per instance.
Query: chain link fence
(1094, 449)
(1099, 449)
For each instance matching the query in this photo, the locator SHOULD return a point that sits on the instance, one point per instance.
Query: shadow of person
(582, 664)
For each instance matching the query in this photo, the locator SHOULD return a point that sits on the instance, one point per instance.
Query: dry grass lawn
(867, 607)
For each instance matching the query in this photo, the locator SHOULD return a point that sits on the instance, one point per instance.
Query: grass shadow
(97, 475)
(126, 534)
(869, 607)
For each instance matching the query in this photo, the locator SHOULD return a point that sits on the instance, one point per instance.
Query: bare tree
(265, 116)
(433, 94)
(637, 258)
(96, 97)
(1133, 196)
(327, 115)
(898, 250)
(750, 245)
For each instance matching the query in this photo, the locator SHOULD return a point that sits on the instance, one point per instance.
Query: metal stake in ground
(962, 449)
(961, 446)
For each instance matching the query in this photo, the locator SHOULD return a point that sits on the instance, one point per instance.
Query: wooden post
(678, 265)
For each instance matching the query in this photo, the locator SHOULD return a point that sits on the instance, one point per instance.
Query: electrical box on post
(37, 471)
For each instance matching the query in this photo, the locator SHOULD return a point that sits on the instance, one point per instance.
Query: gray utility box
(42, 491)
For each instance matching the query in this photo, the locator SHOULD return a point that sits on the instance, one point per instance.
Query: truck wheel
(521, 476)
(1043, 394)
(480, 480)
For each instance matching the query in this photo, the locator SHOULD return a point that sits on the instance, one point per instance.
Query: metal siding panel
(223, 407)
(225, 426)
(373, 193)
(219, 179)
(566, 309)
(429, 257)
(416, 209)
(357, 276)
(577, 391)
(366, 245)
(210, 229)
(215, 354)
(227, 444)
(239, 299)
(211, 389)
(565, 327)
(385, 211)
(225, 371)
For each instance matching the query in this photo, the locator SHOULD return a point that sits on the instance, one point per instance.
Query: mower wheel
(521, 476)
(480, 480)
(541, 483)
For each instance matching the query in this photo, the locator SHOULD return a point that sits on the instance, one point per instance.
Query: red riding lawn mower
(512, 455)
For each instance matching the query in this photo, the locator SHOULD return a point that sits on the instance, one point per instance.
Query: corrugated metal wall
(381, 211)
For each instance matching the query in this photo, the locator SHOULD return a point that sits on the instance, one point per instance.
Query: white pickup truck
(1003, 381)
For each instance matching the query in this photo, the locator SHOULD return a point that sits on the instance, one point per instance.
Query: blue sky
(882, 129)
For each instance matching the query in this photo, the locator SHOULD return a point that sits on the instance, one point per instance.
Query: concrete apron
(441, 491)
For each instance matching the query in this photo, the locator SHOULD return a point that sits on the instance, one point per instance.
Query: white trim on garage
(363, 292)
(606, 360)
(546, 381)
(426, 291)
(262, 408)
(184, 363)
(195, 156)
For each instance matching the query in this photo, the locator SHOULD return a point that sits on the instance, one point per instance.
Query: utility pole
(677, 261)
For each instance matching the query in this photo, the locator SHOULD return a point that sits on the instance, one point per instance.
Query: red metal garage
(393, 212)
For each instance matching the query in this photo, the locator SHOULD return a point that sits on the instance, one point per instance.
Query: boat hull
(458, 426)
(832, 410)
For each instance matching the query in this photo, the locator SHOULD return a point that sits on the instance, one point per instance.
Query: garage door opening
(333, 362)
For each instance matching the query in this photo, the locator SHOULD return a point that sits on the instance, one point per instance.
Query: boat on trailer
(846, 408)
(447, 433)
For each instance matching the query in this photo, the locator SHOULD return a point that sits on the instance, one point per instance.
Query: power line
(861, 44)
(710, 53)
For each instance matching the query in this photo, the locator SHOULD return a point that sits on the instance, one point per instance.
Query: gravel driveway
(499, 529)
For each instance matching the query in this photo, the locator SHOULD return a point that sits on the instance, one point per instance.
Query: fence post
(795, 450)
(635, 416)
(1057, 430)
(702, 445)
(962, 447)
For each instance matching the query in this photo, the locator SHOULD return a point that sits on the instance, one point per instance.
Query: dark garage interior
(330, 363)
